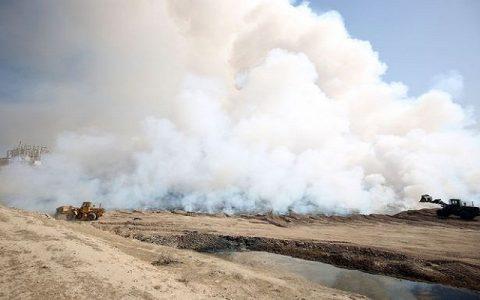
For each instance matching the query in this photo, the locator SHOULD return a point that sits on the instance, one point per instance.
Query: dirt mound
(422, 216)
(429, 217)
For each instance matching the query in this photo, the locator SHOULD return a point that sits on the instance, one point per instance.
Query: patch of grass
(165, 261)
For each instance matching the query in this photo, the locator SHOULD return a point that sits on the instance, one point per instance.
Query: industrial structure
(25, 153)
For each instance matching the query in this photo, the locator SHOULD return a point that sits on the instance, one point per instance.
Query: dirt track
(44, 258)
(412, 245)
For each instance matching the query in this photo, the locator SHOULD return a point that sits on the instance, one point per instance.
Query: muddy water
(373, 286)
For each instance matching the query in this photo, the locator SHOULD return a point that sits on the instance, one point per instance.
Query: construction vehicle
(87, 211)
(455, 207)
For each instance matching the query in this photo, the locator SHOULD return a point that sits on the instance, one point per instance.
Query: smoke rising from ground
(224, 106)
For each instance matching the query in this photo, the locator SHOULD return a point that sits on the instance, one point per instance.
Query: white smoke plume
(227, 106)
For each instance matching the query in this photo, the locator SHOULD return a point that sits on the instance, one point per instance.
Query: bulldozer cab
(87, 205)
(455, 202)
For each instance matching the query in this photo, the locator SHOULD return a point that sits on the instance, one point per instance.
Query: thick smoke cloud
(224, 106)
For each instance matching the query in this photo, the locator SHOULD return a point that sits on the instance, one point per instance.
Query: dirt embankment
(43, 258)
(413, 245)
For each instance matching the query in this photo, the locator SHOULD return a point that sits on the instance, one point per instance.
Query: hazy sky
(424, 43)
(258, 105)
(420, 41)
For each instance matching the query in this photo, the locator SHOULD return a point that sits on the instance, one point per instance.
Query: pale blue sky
(419, 40)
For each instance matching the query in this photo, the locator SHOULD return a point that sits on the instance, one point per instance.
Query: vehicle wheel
(70, 217)
(92, 216)
(466, 215)
(442, 214)
(79, 216)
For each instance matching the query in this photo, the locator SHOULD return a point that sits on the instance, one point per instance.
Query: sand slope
(44, 258)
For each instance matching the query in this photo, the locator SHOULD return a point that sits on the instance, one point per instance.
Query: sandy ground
(413, 245)
(44, 258)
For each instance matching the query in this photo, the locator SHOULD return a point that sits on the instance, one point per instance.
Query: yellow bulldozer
(86, 212)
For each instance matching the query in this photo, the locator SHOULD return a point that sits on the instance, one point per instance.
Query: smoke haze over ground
(224, 106)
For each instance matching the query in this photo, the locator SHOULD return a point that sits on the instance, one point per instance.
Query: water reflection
(373, 286)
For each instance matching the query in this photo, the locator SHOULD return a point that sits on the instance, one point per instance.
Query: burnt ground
(414, 245)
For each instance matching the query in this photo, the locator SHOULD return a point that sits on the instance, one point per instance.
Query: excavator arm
(428, 198)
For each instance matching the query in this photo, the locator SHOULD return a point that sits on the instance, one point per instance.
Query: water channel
(371, 285)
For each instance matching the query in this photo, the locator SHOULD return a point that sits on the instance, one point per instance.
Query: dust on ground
(413, 245)
(44, 258)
